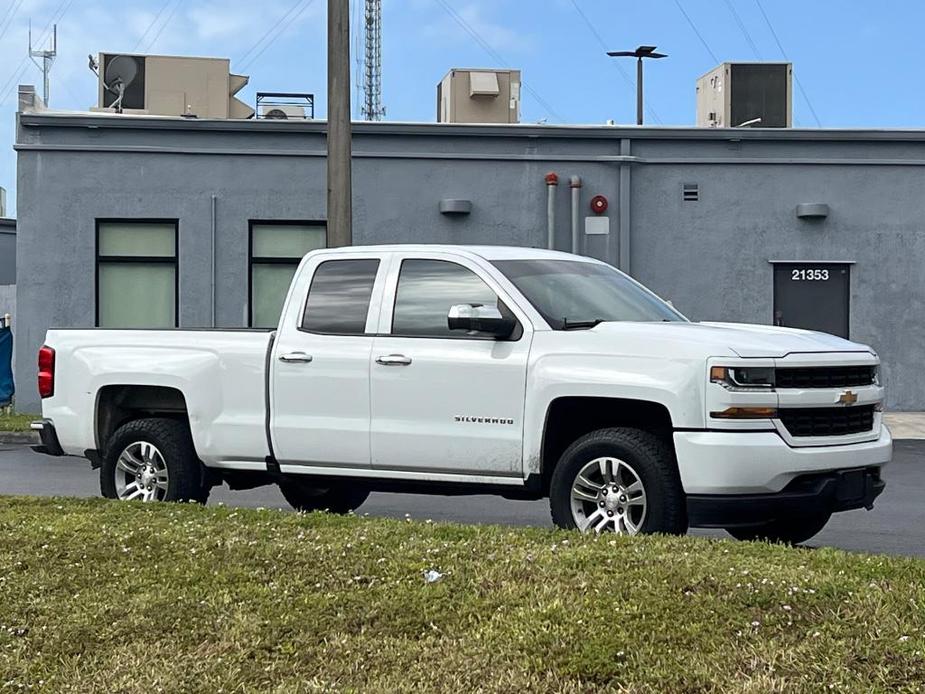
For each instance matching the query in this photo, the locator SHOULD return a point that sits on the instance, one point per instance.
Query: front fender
(676, 384)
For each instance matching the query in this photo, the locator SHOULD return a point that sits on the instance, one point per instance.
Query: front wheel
(789, 531)
(152, 460)
(618, 480)
(336, 496)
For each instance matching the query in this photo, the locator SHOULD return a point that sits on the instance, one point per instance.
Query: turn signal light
(746, 413)
(46, 371)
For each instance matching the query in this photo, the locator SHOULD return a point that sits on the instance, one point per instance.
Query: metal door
(814, 296)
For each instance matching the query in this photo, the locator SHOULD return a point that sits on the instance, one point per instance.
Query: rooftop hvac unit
(285, 105)
(282, 112)
(479, 96)
(165, 85)
(734, 95)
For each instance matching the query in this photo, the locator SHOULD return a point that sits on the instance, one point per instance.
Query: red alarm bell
(598, 204)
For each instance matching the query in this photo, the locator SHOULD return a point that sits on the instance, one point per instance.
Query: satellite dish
(120, 72)
(276, 114)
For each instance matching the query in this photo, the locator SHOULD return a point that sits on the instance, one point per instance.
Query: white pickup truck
(471, 370)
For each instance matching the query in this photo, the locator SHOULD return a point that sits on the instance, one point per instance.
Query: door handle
(393, 360)
(295, 357)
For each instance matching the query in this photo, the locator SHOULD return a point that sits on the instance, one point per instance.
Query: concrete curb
(29, 437)
(905, 425)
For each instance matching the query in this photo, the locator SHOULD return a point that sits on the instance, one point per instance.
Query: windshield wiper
(580, 324)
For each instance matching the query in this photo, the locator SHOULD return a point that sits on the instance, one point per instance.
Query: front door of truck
(445, 401)
(320, 362)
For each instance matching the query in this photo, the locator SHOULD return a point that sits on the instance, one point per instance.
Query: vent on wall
(690, 192)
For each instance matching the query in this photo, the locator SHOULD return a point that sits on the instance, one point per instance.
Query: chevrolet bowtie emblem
(848, 398)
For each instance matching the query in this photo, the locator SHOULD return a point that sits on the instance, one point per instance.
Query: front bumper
(48, 436)
(841, 490)
(760, 462)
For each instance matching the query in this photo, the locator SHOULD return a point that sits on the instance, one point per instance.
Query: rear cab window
(339, 297)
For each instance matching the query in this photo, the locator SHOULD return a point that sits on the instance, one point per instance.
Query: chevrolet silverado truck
(470, 370)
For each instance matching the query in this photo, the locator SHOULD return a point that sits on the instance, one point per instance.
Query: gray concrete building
(130, 220)
(7, 252)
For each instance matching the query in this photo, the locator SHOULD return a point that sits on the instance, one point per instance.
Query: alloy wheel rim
(608, 496)
(141, 473)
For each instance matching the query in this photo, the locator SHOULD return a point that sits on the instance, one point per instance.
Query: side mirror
(478, 318)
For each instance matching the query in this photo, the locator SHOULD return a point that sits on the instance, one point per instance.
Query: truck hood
(741, 339)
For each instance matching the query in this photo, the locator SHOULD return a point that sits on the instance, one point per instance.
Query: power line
(600, 39)
(743, 29)
(259, 53)
(494, 54)
(697, 31)
(163, 26)
(150, 26)
(784, 53)
(9, 16)
(258, 42)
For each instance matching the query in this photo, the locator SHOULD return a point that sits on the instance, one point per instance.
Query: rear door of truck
(319, 365)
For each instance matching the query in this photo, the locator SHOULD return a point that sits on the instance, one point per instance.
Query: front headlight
(743, 378)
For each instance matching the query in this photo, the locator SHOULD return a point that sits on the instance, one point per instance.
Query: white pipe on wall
(214, 223)
(575, 184)
(552, 181)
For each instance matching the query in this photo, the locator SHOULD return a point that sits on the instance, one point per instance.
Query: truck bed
(220, 373)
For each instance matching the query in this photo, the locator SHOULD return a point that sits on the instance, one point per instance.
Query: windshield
(571, 293)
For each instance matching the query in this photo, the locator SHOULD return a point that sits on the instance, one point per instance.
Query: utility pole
(340, 194)
(640, 53)
(48, 58)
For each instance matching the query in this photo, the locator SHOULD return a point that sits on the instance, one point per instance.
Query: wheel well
(570, 418)
(118, 405)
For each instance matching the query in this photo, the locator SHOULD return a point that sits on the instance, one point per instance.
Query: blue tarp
(6, 366)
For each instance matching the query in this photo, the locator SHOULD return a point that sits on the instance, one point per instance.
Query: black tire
(341, 496)
(789, 531)
(651, 458)
(186, 475)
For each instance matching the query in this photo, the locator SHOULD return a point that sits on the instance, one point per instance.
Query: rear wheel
(790, 531)
(618, 480)
(335, 496)
(153, 460)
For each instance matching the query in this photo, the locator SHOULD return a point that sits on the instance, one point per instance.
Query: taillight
(46, 371)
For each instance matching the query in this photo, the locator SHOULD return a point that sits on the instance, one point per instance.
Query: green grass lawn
(16, 422)
(98, 596)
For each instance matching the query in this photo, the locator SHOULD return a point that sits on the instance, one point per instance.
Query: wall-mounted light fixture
(812, 210)
(455, 207)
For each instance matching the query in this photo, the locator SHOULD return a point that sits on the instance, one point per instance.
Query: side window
(426, 291)
(338, 299)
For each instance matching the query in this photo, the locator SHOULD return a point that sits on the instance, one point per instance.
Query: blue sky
(280, 44)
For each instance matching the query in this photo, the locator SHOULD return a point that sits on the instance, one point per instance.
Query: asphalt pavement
(895, 526)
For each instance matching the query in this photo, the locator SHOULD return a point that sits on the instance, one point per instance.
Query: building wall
(8, 300)
(709, 257)
(8, 305)
(7, 252)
